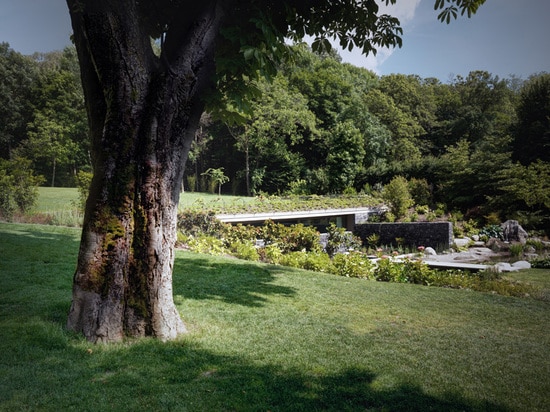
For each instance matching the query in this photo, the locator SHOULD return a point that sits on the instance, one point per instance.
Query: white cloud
(405, 11)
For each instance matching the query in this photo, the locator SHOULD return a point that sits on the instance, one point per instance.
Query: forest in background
(478, 145)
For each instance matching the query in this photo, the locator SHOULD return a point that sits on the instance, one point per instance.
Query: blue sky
(505, 37)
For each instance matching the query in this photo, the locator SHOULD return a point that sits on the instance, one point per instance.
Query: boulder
(497, 245)
(521, 264)
(462, 242)
(505, 267)
(511, 230)
(430, 251)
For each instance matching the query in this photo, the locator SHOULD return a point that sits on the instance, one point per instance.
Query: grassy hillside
(56, 199)
(268, 338)
(58, 202)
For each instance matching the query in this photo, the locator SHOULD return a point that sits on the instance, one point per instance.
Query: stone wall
(438, 235)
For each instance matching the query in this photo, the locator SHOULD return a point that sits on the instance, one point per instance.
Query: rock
(482, 251)
(512, 230)
(462, 242)
(497, 245)
(504, 267)
(430, 251)
(521, 264)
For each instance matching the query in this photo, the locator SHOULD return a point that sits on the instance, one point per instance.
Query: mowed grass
(266, 338)
(56, 199)
(60, 199)
(58, 205)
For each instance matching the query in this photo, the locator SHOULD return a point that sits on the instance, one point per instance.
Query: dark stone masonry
(438, 235)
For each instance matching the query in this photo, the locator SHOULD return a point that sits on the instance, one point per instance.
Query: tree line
(42, 113)
(477, 144)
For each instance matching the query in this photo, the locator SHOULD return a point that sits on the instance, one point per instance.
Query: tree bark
(143, 111)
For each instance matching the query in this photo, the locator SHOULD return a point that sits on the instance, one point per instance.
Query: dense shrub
(206, 244)
(387, 270)
(340, 240)
(194, 222)
(541, 263)
(18, 186)
(352, 265)
(315, 261)
(491, 231)
(420, 191)
(83, 182)
(292, 238)
(396, 193)
(270, 254)
(245, 250)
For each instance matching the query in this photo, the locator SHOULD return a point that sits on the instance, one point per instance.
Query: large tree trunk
(143, 112)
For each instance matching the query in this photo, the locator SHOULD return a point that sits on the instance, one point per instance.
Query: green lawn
(57, 205)
(60, 202)
(58, 199)
(269, 338)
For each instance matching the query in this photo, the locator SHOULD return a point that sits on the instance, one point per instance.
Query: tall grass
(268, 338)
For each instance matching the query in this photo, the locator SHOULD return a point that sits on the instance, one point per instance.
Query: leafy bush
(295, 259)
(244, 250)
(541, 263)
(7, 203)
(340, 240)
(291, 238)
(387, 270)
(315, 261)
(491, 231)
(194, 223)
(18, 186)
(470, 227)
(298, 187)
(83, 182)
(420, 191)
(417, 272)
(373, 240)
(270, 254)
(240, 233)
(396, 193)
(389, 217)
(422, 209)
(537, 244)
(352, 265)
(206, 244)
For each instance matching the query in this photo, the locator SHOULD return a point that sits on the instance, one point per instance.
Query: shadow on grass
(148, 375)
(184, 376)
(231, 281)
